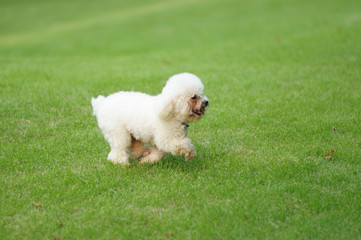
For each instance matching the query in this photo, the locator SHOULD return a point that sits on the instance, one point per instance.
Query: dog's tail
(96, 102)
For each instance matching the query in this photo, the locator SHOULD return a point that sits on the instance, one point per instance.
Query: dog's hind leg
(138, 149)
(119, 141)
(154, 156)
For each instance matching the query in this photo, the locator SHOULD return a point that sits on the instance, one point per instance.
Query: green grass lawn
(280, 75)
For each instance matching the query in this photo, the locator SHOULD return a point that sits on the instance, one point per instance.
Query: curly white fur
(129, 120)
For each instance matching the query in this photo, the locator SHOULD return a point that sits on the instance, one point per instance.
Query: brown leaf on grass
(329, 155)
(169, 234)
(37, 205)
(278, 39)
(58, 237)
(334, 129)
(59, 223)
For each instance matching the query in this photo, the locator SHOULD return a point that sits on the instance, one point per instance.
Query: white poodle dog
(131, 119)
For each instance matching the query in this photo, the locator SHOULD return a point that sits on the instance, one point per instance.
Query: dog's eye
(194, 97)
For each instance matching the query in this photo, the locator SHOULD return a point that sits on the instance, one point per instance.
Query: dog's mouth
(200, 111)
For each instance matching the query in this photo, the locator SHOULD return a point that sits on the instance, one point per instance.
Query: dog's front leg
(190, 155)
(183, 147)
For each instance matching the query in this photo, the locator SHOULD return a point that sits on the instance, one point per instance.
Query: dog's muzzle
(202, 109)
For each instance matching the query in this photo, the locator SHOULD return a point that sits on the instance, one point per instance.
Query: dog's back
(123, 108)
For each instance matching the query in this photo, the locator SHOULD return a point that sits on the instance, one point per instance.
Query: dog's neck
(186, 125)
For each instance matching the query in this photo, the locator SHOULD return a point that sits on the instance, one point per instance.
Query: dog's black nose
(206, 102)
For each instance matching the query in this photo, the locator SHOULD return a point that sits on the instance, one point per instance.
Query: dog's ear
(166, 109)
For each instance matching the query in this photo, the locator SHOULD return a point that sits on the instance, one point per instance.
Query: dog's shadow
(175, 163)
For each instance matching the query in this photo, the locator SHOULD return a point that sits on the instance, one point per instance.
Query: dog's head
(183, 99)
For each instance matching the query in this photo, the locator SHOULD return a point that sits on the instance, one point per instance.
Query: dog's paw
(121, 163)
(154, 156)
(146, 152)
(190, 155)
(118, 158)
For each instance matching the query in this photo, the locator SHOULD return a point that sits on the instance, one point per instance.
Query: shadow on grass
(174, 163)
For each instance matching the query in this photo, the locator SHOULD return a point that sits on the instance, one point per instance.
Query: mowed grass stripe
(116, 16)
